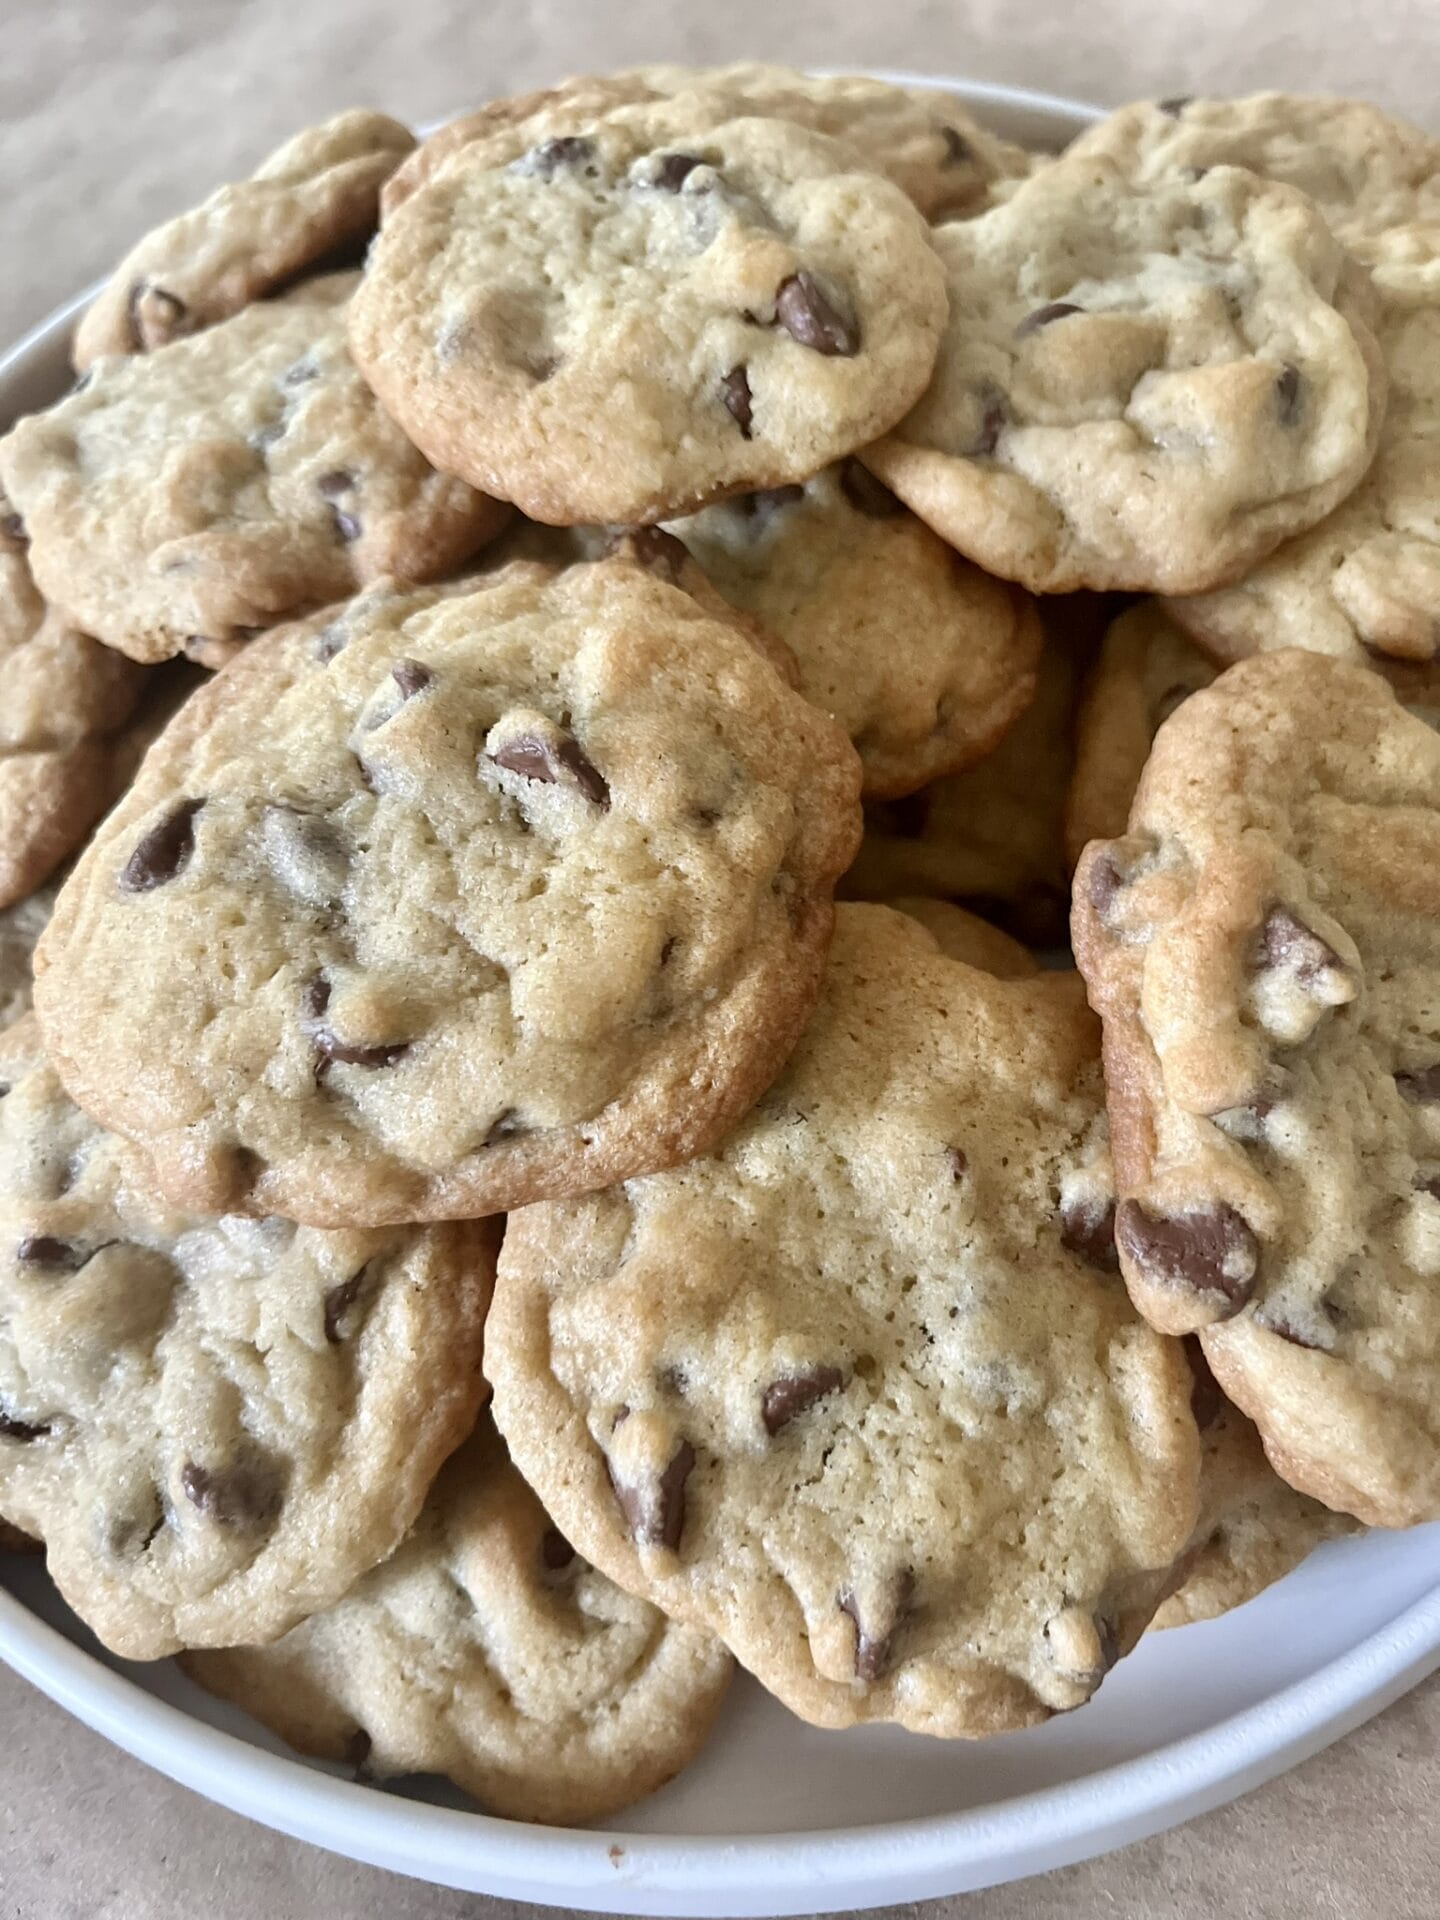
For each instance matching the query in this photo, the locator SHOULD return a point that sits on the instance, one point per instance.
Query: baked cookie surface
(487, 1650)
(1264, 949)
(452, 899)
(863, 1395)
(621, 325)
(215, 1425)
(1141, 387)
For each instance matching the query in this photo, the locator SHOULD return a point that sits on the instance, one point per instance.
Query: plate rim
(833, 1870)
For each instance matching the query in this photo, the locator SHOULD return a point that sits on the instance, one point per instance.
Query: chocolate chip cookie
(861, 1392)
(993, 834)
(1141, 387)
(62, 697)
(314, 198)
(1254, 1529)
(1145, 669)
(215, 1425)
(455, 899)
(194, 495)
(1264, 949)
(924, 660)
(487, 1650)
(622, 325)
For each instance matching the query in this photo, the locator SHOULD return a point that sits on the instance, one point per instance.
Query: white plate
(775, 1817)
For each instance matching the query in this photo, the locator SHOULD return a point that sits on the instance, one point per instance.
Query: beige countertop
(115, 112)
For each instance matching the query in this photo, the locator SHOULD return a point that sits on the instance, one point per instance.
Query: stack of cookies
(486, 1243)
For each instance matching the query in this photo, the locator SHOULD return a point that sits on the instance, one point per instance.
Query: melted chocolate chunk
(812, 319)
(655, 1514)
(163, 852)
(569, 151)
(1208, 1252)
(331, 485)
(735, 392)
(245, 1495)
(793, 1393)
(675, 169)
(557, 763)
(1286, 942)
(1088, 1228)
(411, 678)
(56, 1256)
(875, 1647)
(12, 1427)
(1045, 316)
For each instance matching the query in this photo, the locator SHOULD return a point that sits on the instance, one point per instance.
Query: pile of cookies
(486, 1243)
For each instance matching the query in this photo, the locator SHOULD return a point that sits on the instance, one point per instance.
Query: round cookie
(1145, 669)
(848, 1392)
(1264, 948)
(455, 899)
(993, 834)
(838, 569)
(1143, 388)
(923, 139)
(486, 1650)
(215, 1425)
(313, 198)
(1253, 1528)
(20, 927)
(965, 936)
(622, 325)
(62, 696)
(192, 495)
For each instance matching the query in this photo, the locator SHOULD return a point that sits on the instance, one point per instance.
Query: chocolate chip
(1210, 1251)
(1287, 394)
(867, 494)
(338, 1302)
(331, 485)
(410, 677)
(1044, 316)
(655, 549)
(1105, 881)
(1286, 942)
(245, 1495)
(808, 315)
(154, 315)
(675, 169)
(569, 151)
(1206, 1399)
(316, 997)
(992, 424)
(57, 1256)
(334, 1051)
(1420, 1085)
(1087, 1227)
(555, 1550)
(958, 1162)
(12, 1427)
(346, 525)
(162, 853)
(735, 392)
(958, 150)
(559, 762)
(792, 1393)
(655, 1514)
(13, 528)
(874, 1651)
(1176, 104)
